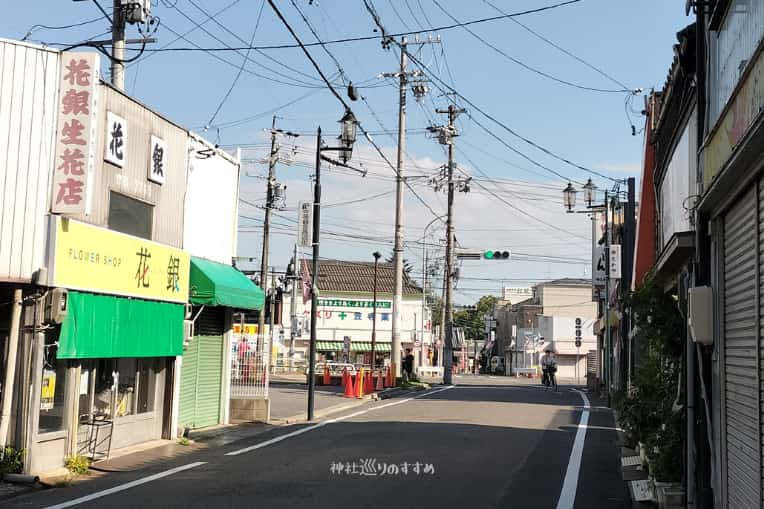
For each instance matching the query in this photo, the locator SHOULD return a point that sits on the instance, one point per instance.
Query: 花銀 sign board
(75, 137)
(86, 257)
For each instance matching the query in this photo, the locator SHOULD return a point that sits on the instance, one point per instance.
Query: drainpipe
(10, 371)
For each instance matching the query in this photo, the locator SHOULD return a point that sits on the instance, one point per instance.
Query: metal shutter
(202, 372)
(741, 378)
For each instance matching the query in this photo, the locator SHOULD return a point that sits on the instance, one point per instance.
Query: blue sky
(592, 129)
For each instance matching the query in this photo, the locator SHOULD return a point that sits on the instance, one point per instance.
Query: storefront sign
(90, 258)
(116, 139)
(75, 140)
(157, 160)
(740, 114)
(342, 303)
(615, 261)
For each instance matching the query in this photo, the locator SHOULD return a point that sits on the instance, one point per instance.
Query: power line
(555, 45)
(451, 90)
(343, 102)
(34, 28)
(243, 64)
(374, 37)
(297, 82)
(523, 64)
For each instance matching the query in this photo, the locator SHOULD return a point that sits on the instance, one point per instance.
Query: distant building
(525, 328)
(345, 311)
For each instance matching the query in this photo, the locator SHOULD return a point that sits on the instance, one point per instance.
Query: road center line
(569, 486)
(126, 486)
(330, 421)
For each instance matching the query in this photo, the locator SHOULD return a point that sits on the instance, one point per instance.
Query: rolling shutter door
(741, 380)
(202, 372)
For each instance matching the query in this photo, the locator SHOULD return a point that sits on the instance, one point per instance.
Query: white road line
(126, 486)
(569, 486)
(330, 421)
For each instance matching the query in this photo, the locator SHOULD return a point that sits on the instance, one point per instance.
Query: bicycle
(550, 380)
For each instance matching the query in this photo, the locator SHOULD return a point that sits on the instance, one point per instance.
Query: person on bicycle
(548, 366)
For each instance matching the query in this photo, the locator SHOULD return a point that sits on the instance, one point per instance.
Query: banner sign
(86, 257)
(75, 138)
(343, 303)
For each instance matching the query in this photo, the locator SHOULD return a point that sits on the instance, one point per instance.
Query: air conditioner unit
(188, 332)
(56, 305)
(700, 314)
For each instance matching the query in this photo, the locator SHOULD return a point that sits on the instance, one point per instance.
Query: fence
(249, 367)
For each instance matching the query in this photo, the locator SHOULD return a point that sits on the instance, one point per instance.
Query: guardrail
(431, 371)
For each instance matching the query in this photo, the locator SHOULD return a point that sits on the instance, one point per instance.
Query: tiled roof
(567, 281)
(358, 277)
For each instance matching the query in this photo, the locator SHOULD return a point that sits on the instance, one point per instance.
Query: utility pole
(267, 228)
(403, 81)
(293, 308)
(269, 205)
(118, 45)
(446, 137)
(271, 320)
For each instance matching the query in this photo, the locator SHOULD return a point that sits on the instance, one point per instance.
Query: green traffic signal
(496, 255)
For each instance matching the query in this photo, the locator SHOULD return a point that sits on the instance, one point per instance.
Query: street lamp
(347, 138)
(569, 197)
(377, 255)
(589, 192)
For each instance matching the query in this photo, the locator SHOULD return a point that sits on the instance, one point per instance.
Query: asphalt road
(482, 444)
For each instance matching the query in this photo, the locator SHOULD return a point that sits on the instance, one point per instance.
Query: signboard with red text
(75, 137)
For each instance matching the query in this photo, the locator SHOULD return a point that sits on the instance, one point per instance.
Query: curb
(303, 417)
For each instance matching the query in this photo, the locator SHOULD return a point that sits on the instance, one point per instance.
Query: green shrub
(77, 464)
(12, 461)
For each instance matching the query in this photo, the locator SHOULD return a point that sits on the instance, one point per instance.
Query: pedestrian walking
(408, 364)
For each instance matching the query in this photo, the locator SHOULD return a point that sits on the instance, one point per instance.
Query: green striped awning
(329, 346)
(360, 346)
(366, 347)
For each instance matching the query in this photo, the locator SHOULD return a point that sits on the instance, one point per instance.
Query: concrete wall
(212, 197)
(572, 301)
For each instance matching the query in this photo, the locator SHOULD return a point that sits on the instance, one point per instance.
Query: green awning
(329, 346)
(104, 326)
(366, 347)
(217, 284)
(360, 346)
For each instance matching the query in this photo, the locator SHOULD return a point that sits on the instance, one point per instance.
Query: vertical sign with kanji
(116, 139)
(157, 160)
(75, 137)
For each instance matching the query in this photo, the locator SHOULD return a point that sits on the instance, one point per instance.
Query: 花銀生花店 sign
(75, 139)
(90, 258)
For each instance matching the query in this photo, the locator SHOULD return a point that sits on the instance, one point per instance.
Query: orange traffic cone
(359, 384)
(380, 383)
(390, 376)
(327, 378)
(349, 392)
(368, 386)
(344, 377)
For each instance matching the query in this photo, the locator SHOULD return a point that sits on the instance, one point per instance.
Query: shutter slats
(741, 383)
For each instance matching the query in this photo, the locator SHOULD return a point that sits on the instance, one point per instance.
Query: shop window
(131, 216)
(52, 390)
(133, 379)
(103, 397)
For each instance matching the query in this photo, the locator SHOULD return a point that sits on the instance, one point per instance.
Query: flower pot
(669, 495)
(642, 454)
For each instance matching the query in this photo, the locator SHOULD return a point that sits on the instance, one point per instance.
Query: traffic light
(496, 255)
